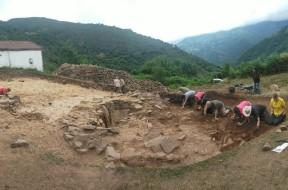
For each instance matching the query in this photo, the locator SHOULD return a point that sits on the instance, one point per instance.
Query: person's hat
(247, 111)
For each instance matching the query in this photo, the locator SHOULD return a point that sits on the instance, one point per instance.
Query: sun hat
(247, 111)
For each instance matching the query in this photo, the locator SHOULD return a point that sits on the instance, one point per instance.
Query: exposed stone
(68, 137)
(19, 143)
(93, 143)
(111, 154)
(155, 143)
(153, 133)
(110, 165)
(114, 130)
(283, 128)
(89, 127)
(72, 128)
(159, 107)
(169, 144)
(278, 131)
(138, 106)
(267, 147)
(182, 137)
(78, 144)
(103, 77)
(82, 150)
(100, 148)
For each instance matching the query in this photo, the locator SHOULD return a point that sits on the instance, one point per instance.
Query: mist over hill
(227, 46)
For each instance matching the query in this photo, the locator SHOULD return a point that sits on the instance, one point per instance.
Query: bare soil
(50, 162)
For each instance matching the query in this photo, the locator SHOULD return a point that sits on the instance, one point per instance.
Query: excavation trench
(153, 132)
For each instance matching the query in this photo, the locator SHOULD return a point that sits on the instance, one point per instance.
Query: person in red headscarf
(4, 90)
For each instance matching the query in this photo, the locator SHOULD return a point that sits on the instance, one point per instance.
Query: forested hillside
(227, 46)
(274, 45)
(99, 44)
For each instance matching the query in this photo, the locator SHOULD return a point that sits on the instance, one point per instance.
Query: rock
(155, 143)
(149, 125)
(110, 165)
(78, 144)
(267, 147)
(278, 131)
(149, 111)
(229, 142)
(19, 143)
(82, 150)
(159, 107)
(153, 133)
(169, 144)
(283, 128)
(138, 106)
(174, 158)
(68, 137)
(114, 130)
(89, 127)
(274, 87)
(135, 95)
(71, 128)
(93, 143)
(101, 148)
(111, 154)
(181, 138)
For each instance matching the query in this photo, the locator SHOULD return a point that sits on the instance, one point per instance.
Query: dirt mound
(104, 77)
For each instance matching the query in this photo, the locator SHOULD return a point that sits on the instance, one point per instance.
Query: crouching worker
(278, 106)
(217, 107)
(187, 95)
(260, 112)
(4, 91)
(200, 99)
(242, 112)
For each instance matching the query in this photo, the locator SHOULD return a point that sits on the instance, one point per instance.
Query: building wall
(22, 59)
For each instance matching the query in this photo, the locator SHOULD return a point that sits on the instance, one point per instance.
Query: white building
(21, 54)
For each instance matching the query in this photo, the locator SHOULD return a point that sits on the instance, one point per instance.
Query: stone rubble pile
(104, 77)
(9, 103)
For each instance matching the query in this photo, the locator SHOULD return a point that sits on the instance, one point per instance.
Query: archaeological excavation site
(76, 115)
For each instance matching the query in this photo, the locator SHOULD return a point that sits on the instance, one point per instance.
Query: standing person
(187, 95)
(256, 81)
(122, 85)
(117, 84)
(4, 90)
(217, 107)
(278, 106)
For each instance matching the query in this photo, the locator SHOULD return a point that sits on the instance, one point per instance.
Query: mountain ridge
(228, 45)
(107, 46)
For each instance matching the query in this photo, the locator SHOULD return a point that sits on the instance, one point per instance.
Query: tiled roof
(18, 45)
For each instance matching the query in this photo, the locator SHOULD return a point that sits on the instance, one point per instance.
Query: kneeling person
(278, 106)
(217, 107)
(242, 112)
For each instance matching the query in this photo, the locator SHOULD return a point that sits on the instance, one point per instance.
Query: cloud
(162, 19)
(279, 15)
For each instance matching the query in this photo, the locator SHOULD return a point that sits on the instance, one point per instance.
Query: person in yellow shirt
(278, 106)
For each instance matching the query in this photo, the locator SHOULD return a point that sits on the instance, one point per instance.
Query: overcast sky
(163, 19)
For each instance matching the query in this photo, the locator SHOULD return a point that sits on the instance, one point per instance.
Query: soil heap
(104, 77)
